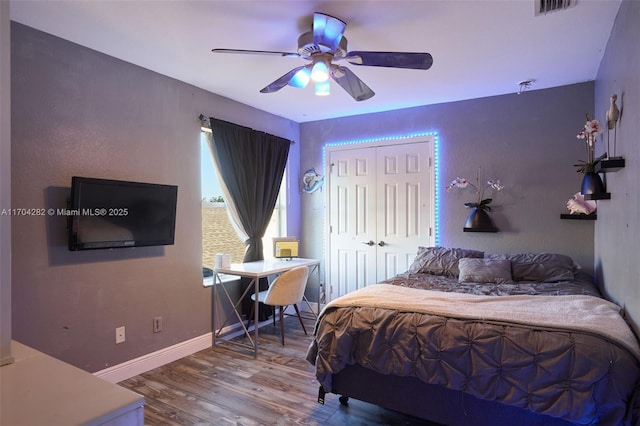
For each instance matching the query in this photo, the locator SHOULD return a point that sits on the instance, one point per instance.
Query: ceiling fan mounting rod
(324, 57)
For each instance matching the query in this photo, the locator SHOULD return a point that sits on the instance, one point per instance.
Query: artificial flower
(481, 202)
(589, 134)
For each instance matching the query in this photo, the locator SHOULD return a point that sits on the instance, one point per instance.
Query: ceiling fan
(326, 44)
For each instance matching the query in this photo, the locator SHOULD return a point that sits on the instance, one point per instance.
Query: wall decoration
(478, 219)
(312, 181)
(578, 205)
(612, 115)
(589, 134)
(591, 182)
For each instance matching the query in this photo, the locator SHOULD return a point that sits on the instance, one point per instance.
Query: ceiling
(480, 48)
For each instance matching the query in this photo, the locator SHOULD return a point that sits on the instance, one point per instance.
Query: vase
(592, 184)
(479, 220)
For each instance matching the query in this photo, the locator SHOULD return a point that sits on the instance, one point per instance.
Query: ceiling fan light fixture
(323, 88)
(320, 71)
(301, 78)
(323, 45)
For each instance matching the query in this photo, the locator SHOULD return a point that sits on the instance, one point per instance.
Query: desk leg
(213, 311)
(319, 291)
(256, 317)
(236, 310)
(304, 297)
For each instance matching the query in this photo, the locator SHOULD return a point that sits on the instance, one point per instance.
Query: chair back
(288, 288)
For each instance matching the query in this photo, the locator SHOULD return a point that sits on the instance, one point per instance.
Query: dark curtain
(252, 165)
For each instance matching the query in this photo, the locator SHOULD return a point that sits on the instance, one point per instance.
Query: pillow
(539, 267)
(484, 271)
(440, 260)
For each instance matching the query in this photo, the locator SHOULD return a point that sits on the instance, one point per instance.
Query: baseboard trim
(133, 367)
(136, 366)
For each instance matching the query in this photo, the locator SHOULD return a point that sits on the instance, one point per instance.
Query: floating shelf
(600, 196)
(610, 165)
(591, 216)
(480, 229)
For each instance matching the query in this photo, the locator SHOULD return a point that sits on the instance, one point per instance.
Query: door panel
(404, 197)
(352, 220)
(390, 212)
(380, 203)
(412, 211)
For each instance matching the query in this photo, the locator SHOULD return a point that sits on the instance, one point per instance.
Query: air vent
(546, 6)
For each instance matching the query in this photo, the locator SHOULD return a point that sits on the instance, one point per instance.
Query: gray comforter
(580, 376)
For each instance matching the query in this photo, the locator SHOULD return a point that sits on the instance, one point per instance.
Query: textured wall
(79, 112)
(617, 232)
(527, 141)
(5, 185)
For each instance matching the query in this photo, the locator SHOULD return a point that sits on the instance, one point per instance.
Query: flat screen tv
(107, 214)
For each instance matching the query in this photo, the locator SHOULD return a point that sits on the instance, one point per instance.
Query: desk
(255, 271)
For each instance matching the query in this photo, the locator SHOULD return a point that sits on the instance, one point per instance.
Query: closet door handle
(382, 243)
(370, 243)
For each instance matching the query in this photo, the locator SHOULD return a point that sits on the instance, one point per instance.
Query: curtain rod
(203, 118)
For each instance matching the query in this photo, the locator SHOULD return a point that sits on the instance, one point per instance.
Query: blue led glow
(333, 33)
(436, 172)
(327, 31)
(301, 78)
(323, 88)
(436, 167)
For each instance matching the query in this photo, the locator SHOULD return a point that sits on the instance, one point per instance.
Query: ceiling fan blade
(257, 52)
(416, 61)
(283, 81)
(327, 31)
(351, 83)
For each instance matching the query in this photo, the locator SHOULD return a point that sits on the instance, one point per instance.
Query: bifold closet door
(379, 212)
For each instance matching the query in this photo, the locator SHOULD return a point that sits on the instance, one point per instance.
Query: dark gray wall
(617, 233)
(5, 186)
(527, 141)
(79, 112)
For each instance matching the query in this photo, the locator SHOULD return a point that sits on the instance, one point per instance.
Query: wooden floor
(226, 385)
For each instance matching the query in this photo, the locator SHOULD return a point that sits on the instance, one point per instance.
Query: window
(218, 232)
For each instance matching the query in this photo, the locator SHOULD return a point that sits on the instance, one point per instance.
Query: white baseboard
(136, 366)
(128, 369)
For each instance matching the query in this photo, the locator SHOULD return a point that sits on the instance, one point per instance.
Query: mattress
(580, 364)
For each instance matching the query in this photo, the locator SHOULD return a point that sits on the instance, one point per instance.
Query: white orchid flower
(495, 185)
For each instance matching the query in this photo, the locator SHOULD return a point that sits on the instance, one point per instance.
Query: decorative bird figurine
(613, 113)
(612, 116)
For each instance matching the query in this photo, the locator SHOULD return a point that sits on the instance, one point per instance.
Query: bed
(464, 338)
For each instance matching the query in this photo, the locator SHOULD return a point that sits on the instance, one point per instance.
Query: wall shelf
(599, 196)
(480, 229)
(591, 216)
(610, 165)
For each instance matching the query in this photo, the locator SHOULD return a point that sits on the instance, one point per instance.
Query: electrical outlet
(157, 324)
(120, 335)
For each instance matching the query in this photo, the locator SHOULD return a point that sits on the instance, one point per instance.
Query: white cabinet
(40, 390)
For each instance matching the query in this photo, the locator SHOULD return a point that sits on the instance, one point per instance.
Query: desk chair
(287, 289)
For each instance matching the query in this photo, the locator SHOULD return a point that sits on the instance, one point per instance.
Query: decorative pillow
(441, 260)
(484, 271)
(539, 267)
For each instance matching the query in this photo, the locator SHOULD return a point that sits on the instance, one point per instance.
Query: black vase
(592, 184)
(479, 220)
